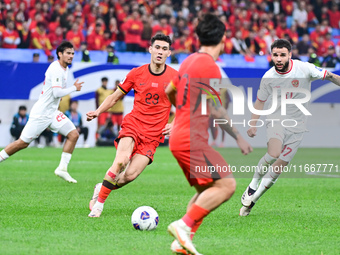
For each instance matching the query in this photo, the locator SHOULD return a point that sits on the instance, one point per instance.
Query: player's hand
(78, 85)
(91, 115)
(252, 131)
(167, 129)
(243, 145)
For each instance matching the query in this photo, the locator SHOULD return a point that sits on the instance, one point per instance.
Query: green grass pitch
(42, 214)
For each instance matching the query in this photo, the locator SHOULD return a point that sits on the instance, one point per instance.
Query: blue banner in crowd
(24, 80)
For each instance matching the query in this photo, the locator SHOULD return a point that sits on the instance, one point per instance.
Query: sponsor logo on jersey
(295, 83)
(154, 85)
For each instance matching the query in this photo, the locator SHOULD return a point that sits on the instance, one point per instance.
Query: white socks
(262, 168)
(3, 155)
(267, 181)
(65, 159)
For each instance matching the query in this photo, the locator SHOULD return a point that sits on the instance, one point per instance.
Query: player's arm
(221, 113)
(258, 105)
(59, 92)
(333, 78)
(110, 101)
(171, 93)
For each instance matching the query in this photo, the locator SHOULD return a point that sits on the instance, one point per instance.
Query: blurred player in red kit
(189, 135)
(144, 128)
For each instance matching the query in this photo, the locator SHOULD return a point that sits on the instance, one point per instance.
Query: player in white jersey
(45, 114)
(290, 79)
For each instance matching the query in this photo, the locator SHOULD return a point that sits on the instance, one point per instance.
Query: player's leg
(175, 246)
(12, 148)
(31, 131)
(65, 127)
(269, 179)
(101, 192)
(209, 197)
(136, 166)
(273, 152)
(210, 192)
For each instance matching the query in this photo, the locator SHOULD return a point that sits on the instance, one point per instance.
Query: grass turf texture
(42, 214)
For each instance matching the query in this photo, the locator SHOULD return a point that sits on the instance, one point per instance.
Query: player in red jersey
(189, 135)
(144, 127)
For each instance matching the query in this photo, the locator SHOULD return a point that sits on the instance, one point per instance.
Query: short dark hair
(22, 107)
(105, 79)
(161, 37)
(281, 43)
(63, 46)
(210, 30)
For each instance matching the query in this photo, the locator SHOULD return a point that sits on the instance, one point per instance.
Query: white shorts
(35, 126)
(290, 141)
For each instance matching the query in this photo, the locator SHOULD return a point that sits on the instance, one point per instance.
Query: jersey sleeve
(316, 73)
(263, 92)
(128, 82)
(174, 82)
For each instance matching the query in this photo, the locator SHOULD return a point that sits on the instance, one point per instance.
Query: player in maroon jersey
(144, 127)
(189, 136)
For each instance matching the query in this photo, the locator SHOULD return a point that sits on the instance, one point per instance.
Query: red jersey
(75, 38)
(190, 130)
(167, 30)
(134, 29)
(151, 107)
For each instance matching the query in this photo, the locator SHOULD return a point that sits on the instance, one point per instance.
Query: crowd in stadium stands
(312, 26)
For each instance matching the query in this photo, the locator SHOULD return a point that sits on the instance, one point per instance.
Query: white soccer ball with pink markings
(144, 218)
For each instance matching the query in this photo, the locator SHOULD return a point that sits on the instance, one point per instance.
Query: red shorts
(143, 145)
(117, 118)
(202, 167)
(102, 118)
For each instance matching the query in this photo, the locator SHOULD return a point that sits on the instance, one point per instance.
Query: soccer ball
(144, 218)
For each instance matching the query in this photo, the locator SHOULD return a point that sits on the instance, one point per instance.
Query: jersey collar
(157, 74)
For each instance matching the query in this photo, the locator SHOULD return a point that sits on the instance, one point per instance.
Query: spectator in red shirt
(321, 49)
(315, 35)
(325, 28)
(113, 28)
(133, 29)
(37, 18)
(293, 34)
(10, 36)
(162, 27)
(334, 16)
(228, 44)
(56, 38)
(287, 7)
(75, 36)
(261, 42)
(183, 44)
(311, 18)
(106, 39)
(37, 9)
(95, 40)
(40, 39)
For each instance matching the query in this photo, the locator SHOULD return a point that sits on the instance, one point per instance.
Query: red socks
(194, 216)
(106, 188)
